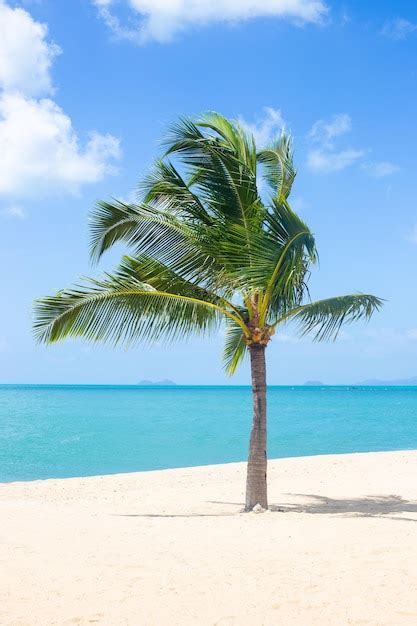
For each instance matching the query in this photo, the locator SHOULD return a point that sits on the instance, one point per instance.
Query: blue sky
(87, 89)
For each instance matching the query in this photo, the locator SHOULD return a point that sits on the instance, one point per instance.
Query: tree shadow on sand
(368, 506)
(172, 515)
(383, 507)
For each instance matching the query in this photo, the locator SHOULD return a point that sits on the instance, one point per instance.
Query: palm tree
(207, 246)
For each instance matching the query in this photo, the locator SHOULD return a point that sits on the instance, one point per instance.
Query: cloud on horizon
(161, 20)
(39, 148)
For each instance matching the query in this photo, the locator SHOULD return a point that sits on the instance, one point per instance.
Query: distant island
(371, 382)
(313, 383)
(154, 383)
(402, 382)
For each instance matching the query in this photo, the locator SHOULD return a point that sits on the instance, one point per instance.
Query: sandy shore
(171, 548)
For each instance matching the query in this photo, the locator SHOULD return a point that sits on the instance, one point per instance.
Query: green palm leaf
(166, 187)
(326, 317)
(123, 308)
(225, 181)
(278, 167)
(120, 313)
(235, 347)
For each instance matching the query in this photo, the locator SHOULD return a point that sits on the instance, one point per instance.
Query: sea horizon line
(199, 385)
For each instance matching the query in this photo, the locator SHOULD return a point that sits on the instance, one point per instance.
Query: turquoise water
(54, 431)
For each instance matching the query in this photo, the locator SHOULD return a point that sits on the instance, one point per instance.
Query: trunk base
(256, 509)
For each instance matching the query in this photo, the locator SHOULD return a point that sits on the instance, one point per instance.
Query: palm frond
(139, 226)
(162, 278)
(287, 278)
(150, 231)
(120, 311)
(225, 182)
(326, 317)
(278, 166)
(235, 347)
(235, 137)
(165, 186)
(283, 223)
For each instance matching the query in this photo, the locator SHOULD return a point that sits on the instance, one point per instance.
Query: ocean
(63, 431)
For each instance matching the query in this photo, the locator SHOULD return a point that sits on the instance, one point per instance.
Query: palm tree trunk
(256, 487)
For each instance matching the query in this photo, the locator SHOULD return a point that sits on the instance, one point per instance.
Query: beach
(173, 548)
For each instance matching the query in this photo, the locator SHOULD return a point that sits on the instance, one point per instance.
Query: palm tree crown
(206, 246)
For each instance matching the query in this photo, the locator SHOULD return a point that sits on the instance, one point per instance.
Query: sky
(87, 91)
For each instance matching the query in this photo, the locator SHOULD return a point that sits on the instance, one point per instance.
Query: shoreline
(173, 547)
(207, 466)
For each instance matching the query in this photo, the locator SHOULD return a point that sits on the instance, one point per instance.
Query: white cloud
(326, 157)
(331, 161)
(114, 24)
(14, 211)
(39, 148)
(42, 149)
(324, 132)
(25, 55)
(379, 169)
(267, 127)
(399, 29)
(160, 20)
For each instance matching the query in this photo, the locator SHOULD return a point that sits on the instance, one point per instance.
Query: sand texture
(171, 548)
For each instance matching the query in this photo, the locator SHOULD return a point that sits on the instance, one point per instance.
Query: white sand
(171, 548)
